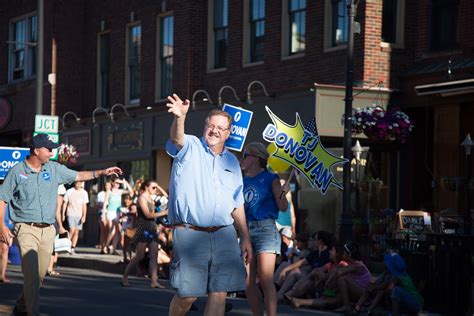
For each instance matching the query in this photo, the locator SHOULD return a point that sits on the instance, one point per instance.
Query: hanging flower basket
(378, 124)
(67, 154)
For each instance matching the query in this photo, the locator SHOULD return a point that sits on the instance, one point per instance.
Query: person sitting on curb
(321, 243)
(343, 284)
(311, 284)
(403, 294)
(377, 291)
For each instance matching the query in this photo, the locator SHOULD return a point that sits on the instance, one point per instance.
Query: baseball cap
(395, 264)
(256, 149)
(42, 140)
(287, 232)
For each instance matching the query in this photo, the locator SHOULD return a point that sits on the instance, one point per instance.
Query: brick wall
(76, 23)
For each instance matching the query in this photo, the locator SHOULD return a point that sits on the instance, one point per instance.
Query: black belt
(209, 229)
(39, 225)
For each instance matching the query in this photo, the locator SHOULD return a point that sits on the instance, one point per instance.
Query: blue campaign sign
(241, 119)
(10, 156)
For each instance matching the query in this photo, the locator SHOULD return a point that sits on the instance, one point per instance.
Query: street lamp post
(467, 144)
(357, 151)
(345, 231)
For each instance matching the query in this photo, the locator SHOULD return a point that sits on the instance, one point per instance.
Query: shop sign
(81, 140)
(125, 137)
(414, 221)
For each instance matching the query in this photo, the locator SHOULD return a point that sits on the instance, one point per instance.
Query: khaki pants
(36, 247)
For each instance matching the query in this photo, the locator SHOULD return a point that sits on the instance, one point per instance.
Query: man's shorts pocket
(175, 274)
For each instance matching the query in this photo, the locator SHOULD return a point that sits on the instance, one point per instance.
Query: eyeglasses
(219, 128)
(154, 187)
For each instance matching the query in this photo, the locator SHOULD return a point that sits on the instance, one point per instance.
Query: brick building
(117, 60)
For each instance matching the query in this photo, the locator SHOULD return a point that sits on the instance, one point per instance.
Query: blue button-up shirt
(204, 188)
(33, 195)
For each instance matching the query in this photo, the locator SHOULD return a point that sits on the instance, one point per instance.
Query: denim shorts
(264, 236)
(205, 262)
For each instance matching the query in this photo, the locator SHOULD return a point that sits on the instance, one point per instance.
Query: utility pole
(52, 76)
(345, 230)
(39, 58)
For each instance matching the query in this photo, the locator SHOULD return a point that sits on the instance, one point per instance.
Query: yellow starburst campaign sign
(302, 148)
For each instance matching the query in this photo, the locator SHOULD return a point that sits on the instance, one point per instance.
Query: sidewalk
(90, 258)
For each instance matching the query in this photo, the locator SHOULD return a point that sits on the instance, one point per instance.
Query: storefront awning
(447, 88)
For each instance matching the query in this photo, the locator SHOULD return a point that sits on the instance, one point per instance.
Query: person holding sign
(264, 197)
(31, 189)
(205, 203)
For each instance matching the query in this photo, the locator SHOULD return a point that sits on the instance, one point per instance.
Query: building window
(220, 33)
(444, 24)
(296, 26)
(23, 37)
(103, 70)
(389, 21)
(133, 64)
(340, 22)
(166, 56)
(257, 29)
(392, 22)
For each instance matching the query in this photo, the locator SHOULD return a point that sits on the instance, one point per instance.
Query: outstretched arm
(89, 175)
(179, 109)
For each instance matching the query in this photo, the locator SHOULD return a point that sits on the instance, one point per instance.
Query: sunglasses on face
(154, 187)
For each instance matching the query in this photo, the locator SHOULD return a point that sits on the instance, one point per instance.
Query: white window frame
(128, 101)
(246, 37)
(285, 36)
(28, 73)
(328, 32)
(400, 29)
(211, 40)
(159, 17)
(98, 73)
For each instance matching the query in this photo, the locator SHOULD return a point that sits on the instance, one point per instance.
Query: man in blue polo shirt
(205, 203)
(31, 188)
